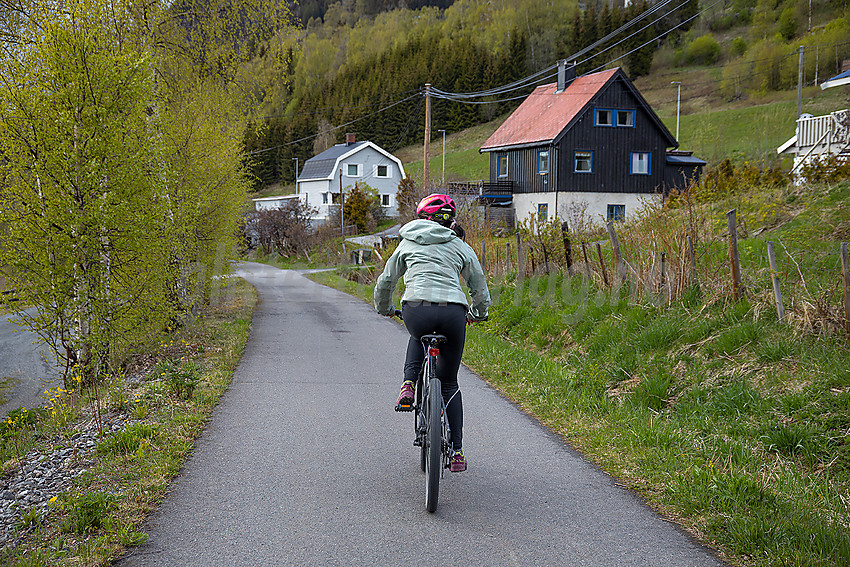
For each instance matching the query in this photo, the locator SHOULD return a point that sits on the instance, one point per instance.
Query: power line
(396, 103)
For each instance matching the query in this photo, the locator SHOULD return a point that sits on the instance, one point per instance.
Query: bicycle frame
(423, 385)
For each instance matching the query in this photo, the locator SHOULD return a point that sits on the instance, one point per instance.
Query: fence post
(774, 276)
(845, 270)
(484, 256)
(568, 249)
(615, 245)
(520, 272)
(663, 283)
(732, 225)
(507, 257)
(586, 263)
(693, 261)
(602, 264)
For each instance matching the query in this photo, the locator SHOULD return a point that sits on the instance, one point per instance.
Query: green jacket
(431, 257)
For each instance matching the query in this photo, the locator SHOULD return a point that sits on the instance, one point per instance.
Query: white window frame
(386, 200)
(541, 156)
(376, 174)
(350, 165)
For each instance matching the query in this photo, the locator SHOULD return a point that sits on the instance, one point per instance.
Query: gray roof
(684, 160)
(321, 166)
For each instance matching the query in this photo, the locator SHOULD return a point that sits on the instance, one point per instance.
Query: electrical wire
(396, 103)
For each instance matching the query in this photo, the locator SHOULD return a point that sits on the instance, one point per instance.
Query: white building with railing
(818, 137)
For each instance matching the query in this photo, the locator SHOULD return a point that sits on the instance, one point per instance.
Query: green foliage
(127, 441)
(89, 512)
(739, 46)
(181, 379)
(704, 50)
(122, 173)
(787, 25)
(363, 207)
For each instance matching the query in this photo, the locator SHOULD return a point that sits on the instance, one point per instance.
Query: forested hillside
(361, 66)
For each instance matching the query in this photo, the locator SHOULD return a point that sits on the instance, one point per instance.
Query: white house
(344, 165)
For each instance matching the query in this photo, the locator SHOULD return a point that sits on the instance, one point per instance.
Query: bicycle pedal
(404, 407)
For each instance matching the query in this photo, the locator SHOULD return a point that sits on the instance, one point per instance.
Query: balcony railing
(822, 130)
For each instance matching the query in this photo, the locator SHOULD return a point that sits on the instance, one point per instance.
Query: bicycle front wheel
(434, 444)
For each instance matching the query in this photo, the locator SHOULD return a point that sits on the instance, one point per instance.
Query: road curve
(304, 462)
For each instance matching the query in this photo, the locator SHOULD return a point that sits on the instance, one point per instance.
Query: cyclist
(432, 258)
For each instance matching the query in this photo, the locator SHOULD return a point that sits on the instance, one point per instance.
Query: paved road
(305, 463)
(25, 365)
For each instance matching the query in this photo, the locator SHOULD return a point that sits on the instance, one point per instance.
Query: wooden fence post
(520, 272)
(845, 270)
(774, 276)
(732, 225)
(615, 245)
(568, 249)
(663, 282)
(507, 257)
(484, 256)
(602, 264)
(586, 262)
(693, 261)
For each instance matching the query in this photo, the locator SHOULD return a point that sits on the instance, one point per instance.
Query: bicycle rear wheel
(419, 420)
(433, 444)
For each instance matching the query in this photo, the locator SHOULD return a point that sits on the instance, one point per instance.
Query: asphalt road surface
(305, 463)
(26, 367)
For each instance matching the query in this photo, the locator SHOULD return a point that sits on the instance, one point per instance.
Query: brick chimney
(350, 138)
(566, 74)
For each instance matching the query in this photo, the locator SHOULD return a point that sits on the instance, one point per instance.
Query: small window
(641, 163)
(604, 117)
(584, 162)
(542, 212)
(324, 198)
(616, 213)
(385, 200)
(626, 118)
(382, 171)
(335, 198)
(543, 161)
(352, 170)
(502, 166)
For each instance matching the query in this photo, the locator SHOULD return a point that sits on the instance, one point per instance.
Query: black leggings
(449, 319)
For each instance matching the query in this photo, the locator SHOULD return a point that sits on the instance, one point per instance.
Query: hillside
(364, 72)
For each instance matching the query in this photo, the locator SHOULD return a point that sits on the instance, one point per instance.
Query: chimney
(350, 138)
(566, 74)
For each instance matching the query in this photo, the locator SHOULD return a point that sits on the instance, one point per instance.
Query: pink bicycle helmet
(437, 207)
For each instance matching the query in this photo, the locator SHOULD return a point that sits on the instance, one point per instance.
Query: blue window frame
(543, 161)
(616, 213)
(583, 162)
(542, 212)
(626, 118)
(502, 165)
(614, 118)
(603, 117)
(640, 163)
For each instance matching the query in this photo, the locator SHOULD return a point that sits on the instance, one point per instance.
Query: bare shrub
(285, 229)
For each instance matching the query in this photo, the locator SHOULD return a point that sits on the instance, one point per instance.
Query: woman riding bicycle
(432, 257)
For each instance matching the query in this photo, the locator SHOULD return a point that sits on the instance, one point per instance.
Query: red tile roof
(544, 114)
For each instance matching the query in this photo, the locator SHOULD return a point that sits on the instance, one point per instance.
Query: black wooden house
(590, 143)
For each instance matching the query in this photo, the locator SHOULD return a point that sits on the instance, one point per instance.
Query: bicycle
(431, 427)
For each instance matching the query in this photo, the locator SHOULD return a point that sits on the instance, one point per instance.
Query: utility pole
(678, 104)
(341, 207)
(427, 168)
(296, 175)
(444, 158)
(800, 83)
